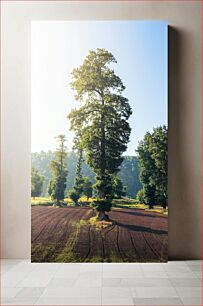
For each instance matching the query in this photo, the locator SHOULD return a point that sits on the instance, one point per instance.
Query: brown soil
(135, 235)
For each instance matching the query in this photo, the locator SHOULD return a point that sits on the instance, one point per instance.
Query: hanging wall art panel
(99, 141)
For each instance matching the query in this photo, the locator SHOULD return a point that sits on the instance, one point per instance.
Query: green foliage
(128, 173)
(74, 196)
(101, 124)
(37, 181)
(150, 195)
(153, 160)
(101, 205)
(87, 188)
(78, 183)
(104, 186)
(58, 167)
(118, 189)
(140, 197)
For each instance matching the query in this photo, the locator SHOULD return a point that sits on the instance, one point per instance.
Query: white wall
(185, 58)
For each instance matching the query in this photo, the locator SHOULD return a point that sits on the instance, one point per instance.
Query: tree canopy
(102, 119)
(153, 160)
(37, 181)
(58, 168)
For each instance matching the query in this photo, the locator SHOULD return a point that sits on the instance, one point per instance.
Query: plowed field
(59, 235)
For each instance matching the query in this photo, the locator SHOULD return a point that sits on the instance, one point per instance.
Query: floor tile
(90, 274)
(21, 301)
(192, 301)
(158, 301)
(176, 263)
(155, 292)
(112, 282)
(193, 262)
(177, 268)
(67, 274)
(122, 274)
(115, 292)
(61, 282)
(32, 292)
(189, 291)
(69, 301)
(198, 274)
(88, 282)
(94, 267)
(185, 282)
(153, 267)
(122, 267)
(179, 274)
(196, 268)
(146, 282)
(12, 280)
(6, 268)
(155, 274)
(117, 301)
(172, 283)
(73, 292)
(9, 292)
(36, 279)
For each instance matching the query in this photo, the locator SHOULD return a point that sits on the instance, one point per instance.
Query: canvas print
(99, 141)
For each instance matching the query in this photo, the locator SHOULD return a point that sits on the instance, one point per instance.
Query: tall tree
(118, 189)
(87, 187)
(58, 168)
(79, 180)
(37, 181)
(102, 120)
(153, 157)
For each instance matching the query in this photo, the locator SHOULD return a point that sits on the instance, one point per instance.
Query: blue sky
(57, 47)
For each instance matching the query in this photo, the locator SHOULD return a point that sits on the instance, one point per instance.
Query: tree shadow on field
(135, 213)
(136, 228)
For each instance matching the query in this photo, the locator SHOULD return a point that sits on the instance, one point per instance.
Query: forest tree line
(128, 174)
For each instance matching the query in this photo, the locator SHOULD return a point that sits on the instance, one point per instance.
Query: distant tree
(58, 167)
(153, 156)
(150, 195)
(37, 181)
(118, 189)
(74, 196)
(77, 190)
(79, 180)
(102, 121)
(129, 175)
(159, 152)
(140, 196)
(87, 188)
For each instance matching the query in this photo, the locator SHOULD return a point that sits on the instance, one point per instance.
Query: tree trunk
(102, 216)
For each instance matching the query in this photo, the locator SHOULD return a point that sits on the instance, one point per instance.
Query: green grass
(67, 254)
(83, 222)
(116, 204)
(100, 224)
(41, 252)
(95, 259)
